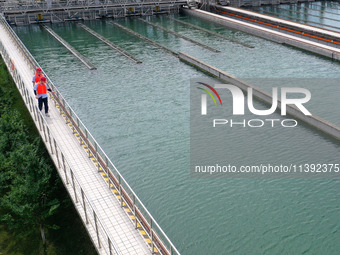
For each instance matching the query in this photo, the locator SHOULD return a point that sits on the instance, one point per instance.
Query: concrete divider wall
(264, 33)
(314, 121)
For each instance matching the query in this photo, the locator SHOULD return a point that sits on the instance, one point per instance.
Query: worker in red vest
(40, 91)
(37, 76)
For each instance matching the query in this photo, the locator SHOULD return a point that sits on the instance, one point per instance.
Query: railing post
(64, 167)
(152, 243)
(73, 129)
(109, 181)
(49, 140)
(25, 97)
(120, 191)
(134, 211)
(109, 241)
(28, 101)
(39, 120)
(82, 195)
(96, 152)
(60, 108)
(87, 140)
(80, 140)
(19, 80)
(55, 101)
(44, 132)
(21, 84)
(95, 221)
(15, 78)
(74, 187)
(34, 111)
(56, 152)
(97, 158)
(88, 147)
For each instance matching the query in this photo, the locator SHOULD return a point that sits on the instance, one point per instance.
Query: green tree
(29, 201)
(27, 188)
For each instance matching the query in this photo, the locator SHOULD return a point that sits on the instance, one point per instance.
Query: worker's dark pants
(40, 104)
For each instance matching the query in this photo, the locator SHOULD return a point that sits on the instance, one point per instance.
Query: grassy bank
(67, 234)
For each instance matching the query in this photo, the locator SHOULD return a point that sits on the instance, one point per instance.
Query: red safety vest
(37, 77)
(41, 89)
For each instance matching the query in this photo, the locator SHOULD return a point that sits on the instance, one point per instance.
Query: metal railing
(30, 5)
(142, 216)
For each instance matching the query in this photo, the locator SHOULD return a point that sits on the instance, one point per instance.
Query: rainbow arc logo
(204, 96)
